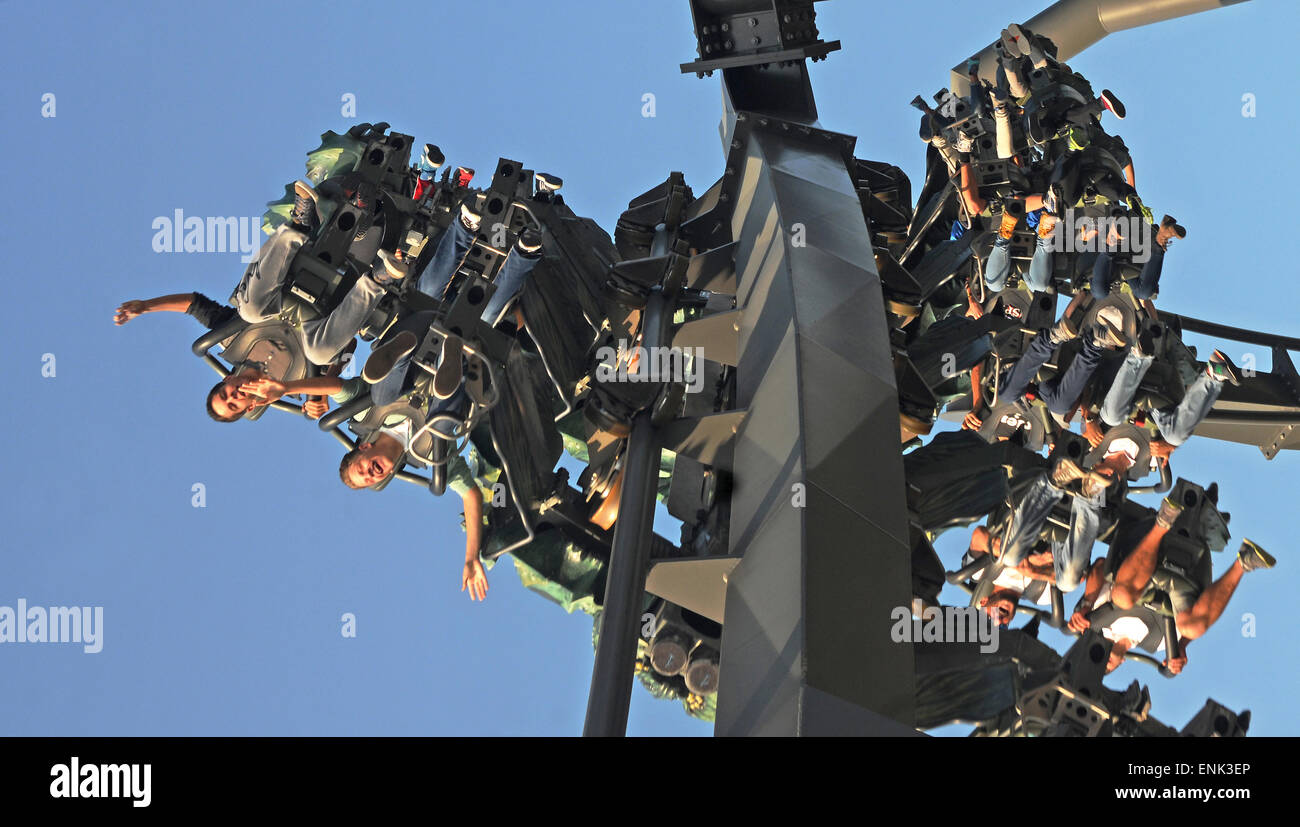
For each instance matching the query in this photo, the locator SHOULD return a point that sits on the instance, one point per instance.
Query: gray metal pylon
(818, 507)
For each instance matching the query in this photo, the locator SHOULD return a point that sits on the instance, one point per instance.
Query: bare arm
(473, 578)
(1037, 572)
(972, 421)
(175, 303)
(315, 385)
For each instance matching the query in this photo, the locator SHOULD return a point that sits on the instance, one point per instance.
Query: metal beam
(1074, 25)
(629, 560)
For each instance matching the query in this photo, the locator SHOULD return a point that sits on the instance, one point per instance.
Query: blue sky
(226, 619)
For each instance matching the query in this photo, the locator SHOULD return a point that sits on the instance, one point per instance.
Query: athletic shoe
(529, 242)
(1063, 331)
(1221, 368)
(1135, 205)
(1253, 557)
(1112, 103)
(1011, 45)
(546, 182)
(1108, 332)
(1169, 229)
(395, 267)
(1052, 199)
(305, 212)
(450, 368)
(1168, 513)
(385, 356)
(432, 157)
(469, 217)
(1011, 215)
(1066, 472)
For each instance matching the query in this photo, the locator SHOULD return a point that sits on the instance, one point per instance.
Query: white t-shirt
(1009, 578)
(1129, 629)
(400, 432)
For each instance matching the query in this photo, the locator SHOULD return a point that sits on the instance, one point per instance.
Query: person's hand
(126, 311)
(315, 407)
(1161, 449)
(474, 578)
(1092, 433)
(972, 422)
(1175, 665)
(1078, 622)
(269, 389)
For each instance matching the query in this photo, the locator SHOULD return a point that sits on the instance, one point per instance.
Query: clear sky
(226, 619)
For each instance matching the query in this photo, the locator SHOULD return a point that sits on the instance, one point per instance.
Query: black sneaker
(1145, 343)
(530, 242)
(451, 368)
(1170, 221)
(1113, 104)
(385, 356)
(433, 157)
(471, 217)
(546, 182)
(1253, 557)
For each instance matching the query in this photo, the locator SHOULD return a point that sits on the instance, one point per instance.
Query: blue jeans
(1058, 394)
(998, 267)
(1071, 556)
(401, 379)
(1177, 423)
(1147, 284)
(426, 172)
(449, 253)
(1118, 404)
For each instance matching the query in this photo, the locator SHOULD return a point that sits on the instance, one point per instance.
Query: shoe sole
(1113, 104)
(1257, 553)
(1172, 519)
(391, 265)
(385, 357)
(1010, 45)
(1233, 376)
(450, 368)
(1020, 40)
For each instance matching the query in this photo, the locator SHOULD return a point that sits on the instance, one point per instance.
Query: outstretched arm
(175, 303)
(272, 389)
(474, 577)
